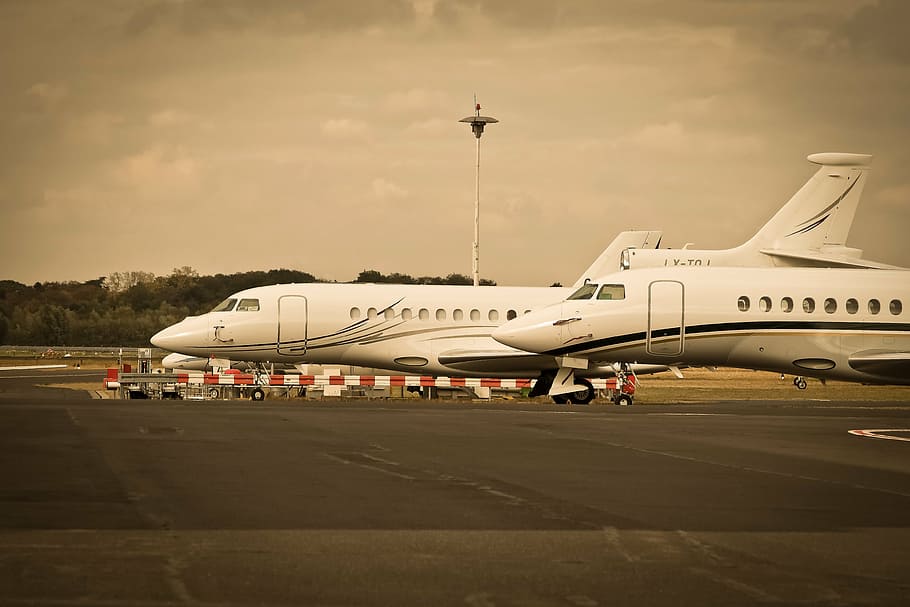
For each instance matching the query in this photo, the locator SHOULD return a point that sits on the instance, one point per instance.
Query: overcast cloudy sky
(322, 135)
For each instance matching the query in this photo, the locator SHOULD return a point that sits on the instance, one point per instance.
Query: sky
(323, 135)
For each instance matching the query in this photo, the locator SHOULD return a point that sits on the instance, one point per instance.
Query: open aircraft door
(666, 318)
(292, 319)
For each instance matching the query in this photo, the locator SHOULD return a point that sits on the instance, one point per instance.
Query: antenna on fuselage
(477, 123)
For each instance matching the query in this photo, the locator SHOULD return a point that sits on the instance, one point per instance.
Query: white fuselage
(421, 329)
(847, 324)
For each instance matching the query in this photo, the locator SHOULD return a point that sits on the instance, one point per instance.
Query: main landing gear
(584, 395)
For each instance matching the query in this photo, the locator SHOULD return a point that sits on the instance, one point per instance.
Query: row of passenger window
(829, 305)
(440, 314)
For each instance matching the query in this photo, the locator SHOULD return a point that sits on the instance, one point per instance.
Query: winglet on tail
(821, 213)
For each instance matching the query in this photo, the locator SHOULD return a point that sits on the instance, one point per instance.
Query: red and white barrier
(378, 381)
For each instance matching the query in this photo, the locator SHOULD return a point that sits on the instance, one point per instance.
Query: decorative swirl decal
(805, 226)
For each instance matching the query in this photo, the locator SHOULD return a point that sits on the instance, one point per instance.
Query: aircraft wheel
(584, 395)
(560, 399)
(257, 394)
(624, 400)
(800, 383)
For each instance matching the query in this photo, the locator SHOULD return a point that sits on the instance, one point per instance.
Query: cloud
(433, 126)
(878, 29)
(384, 189)
(897, 196)
(416, 100)
(287, 17)
(344, 128)
(675, 138)
(664, 137)
(47, 94)
(159, 165)
(639, 114)
(96, 127)
(168, 117)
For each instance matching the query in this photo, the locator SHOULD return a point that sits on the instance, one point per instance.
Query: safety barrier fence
(378, 381)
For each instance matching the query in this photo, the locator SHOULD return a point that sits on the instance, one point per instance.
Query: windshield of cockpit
(245, 305)
(607, 292)
(584, 292)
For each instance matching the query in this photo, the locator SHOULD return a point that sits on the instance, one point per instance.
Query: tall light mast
(477, 123)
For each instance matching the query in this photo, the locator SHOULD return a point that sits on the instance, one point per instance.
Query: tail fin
(608, 261)
(821, 213)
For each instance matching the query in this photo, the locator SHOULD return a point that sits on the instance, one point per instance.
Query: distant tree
(370, 276)
(458, 279)
(186, 271)
(556, 284)
(126, 308)
(118, 282)
(55, 325)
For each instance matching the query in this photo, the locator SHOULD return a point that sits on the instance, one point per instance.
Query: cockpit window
(584, 292)
(225, 306)
(248, 305)
(612, 292)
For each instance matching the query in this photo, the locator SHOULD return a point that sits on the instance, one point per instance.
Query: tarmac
(109, 502)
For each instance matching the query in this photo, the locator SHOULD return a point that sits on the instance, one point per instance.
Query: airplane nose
(181, 337)
(164, 339)
(528, 333)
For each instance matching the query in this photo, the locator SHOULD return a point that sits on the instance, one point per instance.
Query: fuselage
(844, 324)
(424, 329)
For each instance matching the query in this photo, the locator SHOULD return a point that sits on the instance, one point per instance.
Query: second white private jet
(846, 324)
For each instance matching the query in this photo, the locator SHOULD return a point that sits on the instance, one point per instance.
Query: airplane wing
(887, 364)
(828, 260)
(510, 360)
(497, 360)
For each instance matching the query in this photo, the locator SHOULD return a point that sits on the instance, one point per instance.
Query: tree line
(126, 308)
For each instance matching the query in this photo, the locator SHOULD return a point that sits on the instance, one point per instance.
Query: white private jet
(425, 329)
(446, 330)
(846, 324)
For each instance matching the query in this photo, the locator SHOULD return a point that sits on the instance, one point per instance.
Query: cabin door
(292, 315)
(666, 319)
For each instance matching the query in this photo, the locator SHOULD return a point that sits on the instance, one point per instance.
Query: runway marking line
(882, 433)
